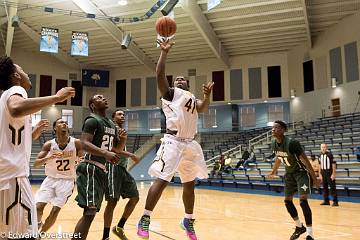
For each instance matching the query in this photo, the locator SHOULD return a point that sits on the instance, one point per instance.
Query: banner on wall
(79, 44)
(49, 41)
(95, 78)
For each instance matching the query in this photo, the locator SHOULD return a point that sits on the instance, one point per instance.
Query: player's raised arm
(162, 82)
(19, 106)
(39, 128)
(203, 105)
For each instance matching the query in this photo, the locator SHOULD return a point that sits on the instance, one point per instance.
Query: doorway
(335, 106)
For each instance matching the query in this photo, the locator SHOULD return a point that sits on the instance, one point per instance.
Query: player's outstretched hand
(39, 128)
(165, 44)
(65, 93)
(112, 157)
(208, 88)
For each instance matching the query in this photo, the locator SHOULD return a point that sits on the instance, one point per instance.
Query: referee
(327, 175)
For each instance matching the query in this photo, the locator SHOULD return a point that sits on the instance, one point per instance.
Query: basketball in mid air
(165, 26)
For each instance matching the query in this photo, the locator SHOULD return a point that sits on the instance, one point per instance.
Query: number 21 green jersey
(288, 151)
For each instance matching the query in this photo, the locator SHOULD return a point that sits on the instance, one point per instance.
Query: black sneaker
(335, 204)
(298, 231)
(118, 231)
(308, 237)
(325, 203)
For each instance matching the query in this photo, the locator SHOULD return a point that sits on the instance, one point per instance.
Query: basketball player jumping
(99, 135)
(297, 179)
(59, 156)
(179, 152)
(17, 206)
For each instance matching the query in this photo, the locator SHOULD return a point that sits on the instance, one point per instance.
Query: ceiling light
(122, 2)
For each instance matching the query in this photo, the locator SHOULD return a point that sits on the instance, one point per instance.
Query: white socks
(298, 223)
(189, 216)
(309, 231)
(147, 212)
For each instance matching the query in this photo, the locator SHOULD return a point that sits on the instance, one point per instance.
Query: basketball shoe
(298, 231)
(143, 227)
(188, 225)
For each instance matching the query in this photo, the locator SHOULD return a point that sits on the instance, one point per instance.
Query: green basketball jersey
(288, 152)
(123, 160)
(104, 131)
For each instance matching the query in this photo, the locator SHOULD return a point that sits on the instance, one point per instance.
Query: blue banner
(95, 78)
(79, 44)
(49, 41)
(212, 3)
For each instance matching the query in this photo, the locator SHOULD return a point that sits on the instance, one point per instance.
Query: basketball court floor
(221, 215)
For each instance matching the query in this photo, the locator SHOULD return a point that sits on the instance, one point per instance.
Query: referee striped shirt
(326, 161)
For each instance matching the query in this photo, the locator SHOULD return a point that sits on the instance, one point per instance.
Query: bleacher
(342, 134)
(134, 141)
(215, 143)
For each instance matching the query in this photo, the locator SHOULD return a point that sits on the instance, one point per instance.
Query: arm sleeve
(295, 148)
(90, 126)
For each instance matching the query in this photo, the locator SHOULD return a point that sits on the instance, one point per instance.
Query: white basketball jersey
(15, 139)
(62, 167)
(181, 114)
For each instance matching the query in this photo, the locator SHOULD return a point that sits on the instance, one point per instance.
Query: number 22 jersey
(62, 167)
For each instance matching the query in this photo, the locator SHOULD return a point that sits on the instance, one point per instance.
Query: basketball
(165, 26)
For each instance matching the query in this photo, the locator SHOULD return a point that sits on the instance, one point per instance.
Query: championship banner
(79, 44)
(49, 41)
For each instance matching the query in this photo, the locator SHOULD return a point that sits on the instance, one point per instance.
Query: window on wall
(275, 112)
(35, 118)
(209, 120)
(248, 117)
(67, 115)
(132, 120)
(154, 121)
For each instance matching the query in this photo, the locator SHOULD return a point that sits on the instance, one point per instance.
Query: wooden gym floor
(222, 216)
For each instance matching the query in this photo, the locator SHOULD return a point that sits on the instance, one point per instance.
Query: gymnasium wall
(310, 105)
(44, 64)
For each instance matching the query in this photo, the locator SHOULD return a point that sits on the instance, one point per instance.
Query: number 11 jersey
(288, 151)
(181, 114)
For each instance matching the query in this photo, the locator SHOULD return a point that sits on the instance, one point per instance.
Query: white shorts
(55, 191)
(179, 155)
(18, 217)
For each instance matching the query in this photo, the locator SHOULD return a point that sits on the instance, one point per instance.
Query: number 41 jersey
(62, 167)
(181, 114)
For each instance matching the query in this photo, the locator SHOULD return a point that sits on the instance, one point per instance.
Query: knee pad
(307, 211)
(291, 208)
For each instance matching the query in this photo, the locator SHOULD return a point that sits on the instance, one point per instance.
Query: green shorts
(298, 181)
(91, 185)
(119, 183)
